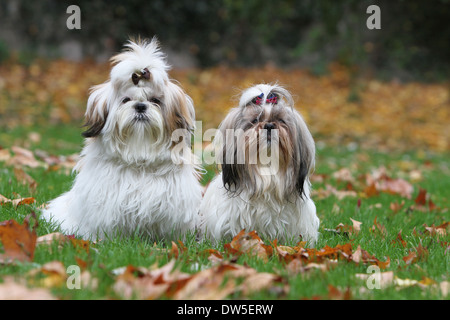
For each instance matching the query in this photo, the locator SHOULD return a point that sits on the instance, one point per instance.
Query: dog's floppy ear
(305, 154)
(179, 109)
(97, 110)
(225, 145)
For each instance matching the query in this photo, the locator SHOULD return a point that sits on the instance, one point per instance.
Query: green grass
(106, 256)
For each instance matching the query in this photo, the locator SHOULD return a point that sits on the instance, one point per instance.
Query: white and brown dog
(266, 153)
(128, 179)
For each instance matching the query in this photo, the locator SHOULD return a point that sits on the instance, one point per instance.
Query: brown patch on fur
(97, 111)
(179, 109)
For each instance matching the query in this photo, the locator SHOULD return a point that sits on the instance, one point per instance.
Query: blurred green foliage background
(412, 44)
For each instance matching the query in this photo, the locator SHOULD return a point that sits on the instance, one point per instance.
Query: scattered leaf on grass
(337, 294)
(421, 199)
(410, 258)
(360, 255)
(384, 279)
(379, 181)
(346, 229)
(134, 283)
(399, 240)
(214, 283)
(440, 230)
(378, 228)
(249, 243)
(52, 274)
(23, 157)
(18, 240)
(25, 179)
(396, 207)
(51, 238)
(10, 290)
(261, 281)
(424, 203)
(17, 202)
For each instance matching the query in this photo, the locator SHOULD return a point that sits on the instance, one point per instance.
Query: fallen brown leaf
(51, 237)
(440, 230)
(337, 294)
(23, 178)
(18, 240)
(152, 283)
(17, 202)
(378, 228)
(260, 281)
(385, 279)
(347, 229)
(421, 199)
(396, 207)
(399, 240)
(10, 290)
(210, 284)
(23, 157)
(410, 258)
(249, 243)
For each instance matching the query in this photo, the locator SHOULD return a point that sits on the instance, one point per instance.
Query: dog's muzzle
(140, 108)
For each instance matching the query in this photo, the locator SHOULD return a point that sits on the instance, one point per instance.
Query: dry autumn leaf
(410, 258)
(260, 281)
(51, 238)
(176, 250)
(330, 190)
(152, 283)
(17, 202)
(421, 199)
(396, 207)
(396, 186)
(384, 279)
(379, 181)
(54, 275)
(337, 294)
(424, 203)
(378, 228)
(18, 240)
(248, 243)
(399, 240)
(210, 284)
(10, 290)
(362, 256)
(347, 229)
(23, 157)
(440, 230)
(23, 178)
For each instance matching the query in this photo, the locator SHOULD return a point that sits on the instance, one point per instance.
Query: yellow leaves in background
(338, 110)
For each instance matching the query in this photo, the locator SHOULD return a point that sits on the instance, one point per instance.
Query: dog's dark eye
(254, 121)
(282, 121)
(125, 100)
(154, 100)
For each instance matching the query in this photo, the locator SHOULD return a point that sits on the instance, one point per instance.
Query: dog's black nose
(269, 126)
(140, 107)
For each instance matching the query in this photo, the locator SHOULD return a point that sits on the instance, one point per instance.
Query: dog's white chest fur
(107, 198)
(223, 216)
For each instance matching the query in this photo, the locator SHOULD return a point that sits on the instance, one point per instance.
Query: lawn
(381, 187)
(399, 227)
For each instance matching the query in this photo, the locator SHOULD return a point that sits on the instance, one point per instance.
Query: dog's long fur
(248, 195)
(127, 180)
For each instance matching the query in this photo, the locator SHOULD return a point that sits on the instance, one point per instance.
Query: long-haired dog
(128, 179)
(266, 153)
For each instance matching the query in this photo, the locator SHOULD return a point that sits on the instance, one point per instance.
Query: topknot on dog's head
(266, 94)
(141, 59)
